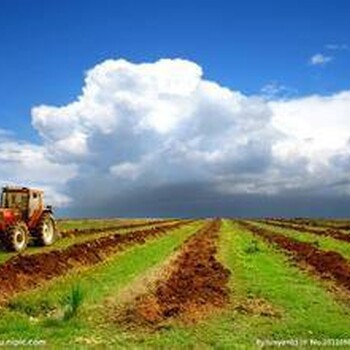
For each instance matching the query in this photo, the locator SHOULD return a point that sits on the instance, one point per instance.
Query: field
(206, 283)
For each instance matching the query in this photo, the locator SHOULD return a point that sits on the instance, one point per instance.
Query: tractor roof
(20, 189)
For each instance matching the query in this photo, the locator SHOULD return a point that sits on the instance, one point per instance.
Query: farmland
(202, 283)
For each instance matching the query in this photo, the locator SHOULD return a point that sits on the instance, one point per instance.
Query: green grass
(39, 313)
(73, 302)
(307, 310)
(304, 307)
(322, 242)
(5, 256)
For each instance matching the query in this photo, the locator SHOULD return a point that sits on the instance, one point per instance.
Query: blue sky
(46, 46)
(178, 107)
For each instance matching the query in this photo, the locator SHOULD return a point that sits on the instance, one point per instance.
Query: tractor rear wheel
(16, 237)
(45, 232)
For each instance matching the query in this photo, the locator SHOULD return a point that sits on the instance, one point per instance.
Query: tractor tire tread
(8, 236)
(38, 231)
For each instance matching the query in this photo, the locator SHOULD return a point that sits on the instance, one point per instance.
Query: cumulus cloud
(320, 59)
(157, 123)
(317, 130)
(25, 163)
(148, 129)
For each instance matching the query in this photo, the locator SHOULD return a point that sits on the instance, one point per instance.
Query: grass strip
(29, 314)
(325, 243)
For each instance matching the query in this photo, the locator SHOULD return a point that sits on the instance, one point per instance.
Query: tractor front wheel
(16, 237)
(45, 232)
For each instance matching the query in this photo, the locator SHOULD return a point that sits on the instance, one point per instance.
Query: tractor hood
(8, 215)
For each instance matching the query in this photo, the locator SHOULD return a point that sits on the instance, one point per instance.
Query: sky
(178, 108)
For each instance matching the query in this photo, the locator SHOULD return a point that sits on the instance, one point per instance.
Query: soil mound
(197, 283)
(330, 232)
(326, 263)
(86, 231)
(28, 271)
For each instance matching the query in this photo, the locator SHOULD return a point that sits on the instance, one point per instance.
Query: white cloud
(158, 124)
(320, 59)
(27, 164)
(324, 120)
(317, 130)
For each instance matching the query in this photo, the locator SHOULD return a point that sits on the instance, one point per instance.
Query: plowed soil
(306, 222)
(196, 284)
(325, 263)
(23, 272)
(86, 231)
(333, 233)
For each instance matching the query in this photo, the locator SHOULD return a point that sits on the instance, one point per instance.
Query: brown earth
(85, 231)
(23, 272)
(309, 222)
(325, 263)
(196, 284)
(333, 233)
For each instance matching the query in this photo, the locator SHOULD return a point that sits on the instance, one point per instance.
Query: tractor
(24, 217)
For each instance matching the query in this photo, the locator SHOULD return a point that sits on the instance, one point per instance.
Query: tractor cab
(24, 200)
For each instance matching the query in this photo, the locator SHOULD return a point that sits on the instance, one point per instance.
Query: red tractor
(23, 215)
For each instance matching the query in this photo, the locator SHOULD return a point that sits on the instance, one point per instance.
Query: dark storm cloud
(199, 200)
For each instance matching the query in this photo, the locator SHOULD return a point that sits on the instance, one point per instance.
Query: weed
(72, 302)
(253, 247)
(316, 243)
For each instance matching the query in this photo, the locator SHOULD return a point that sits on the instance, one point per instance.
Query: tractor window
(16, 200)
(3, 200)
(35, 204)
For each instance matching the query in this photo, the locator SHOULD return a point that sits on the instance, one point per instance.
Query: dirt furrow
(24, 272)
(86, 231)
(340, 236)
(197, 284)
(325, 263)
(310, 223)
